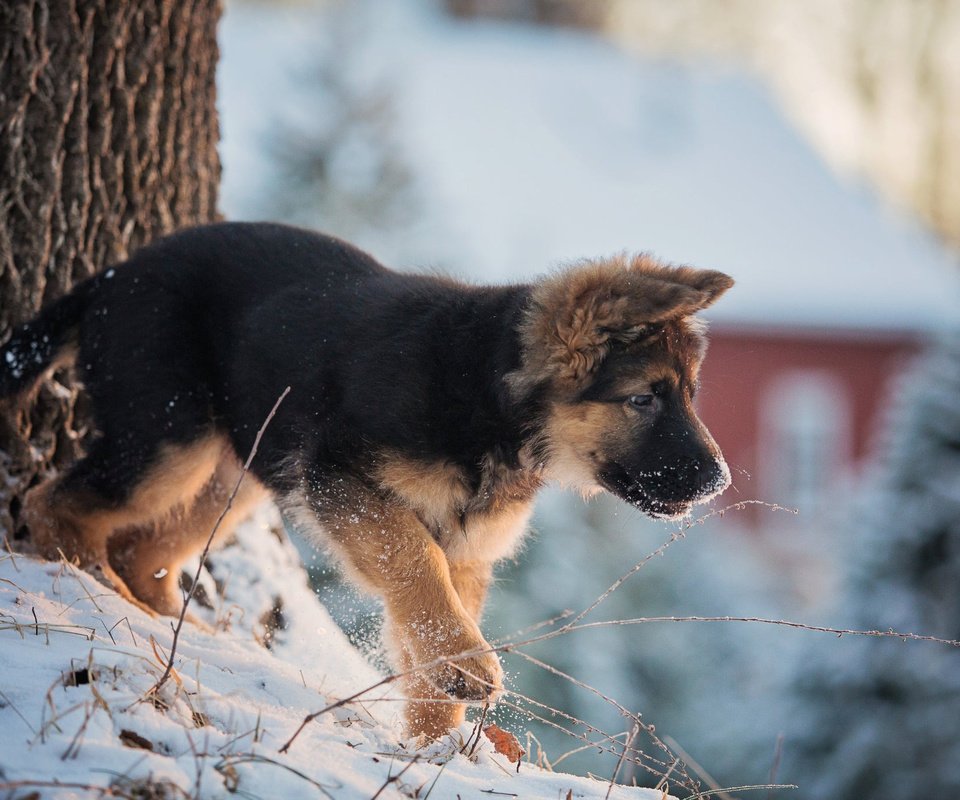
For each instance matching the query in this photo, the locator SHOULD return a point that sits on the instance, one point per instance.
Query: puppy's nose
(714, 476)
(690, 478)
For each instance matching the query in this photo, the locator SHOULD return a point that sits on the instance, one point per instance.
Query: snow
(535, 147)
(232, 702)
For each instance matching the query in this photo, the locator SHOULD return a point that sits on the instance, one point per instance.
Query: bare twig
(206, 549)
(678, 534)
(102, 791)
(16, 711)
(255, 758)
(8, 622)
(546, 623)
(890, 634)
(443, 766)
(566, 629)
(394, 778)
(663, 783)
(623, 755)
(77, 576)
(575, 624)
(543, 761)
(704, 775)
(16, 586)
(635, 718)
(129, 628)
(10, 553)
(753, 788)
(675, 536)
(108, 630)
(342, 702)
(73, 749)
(471, 744)
(564, 756)
(775, 767)
(606, 744)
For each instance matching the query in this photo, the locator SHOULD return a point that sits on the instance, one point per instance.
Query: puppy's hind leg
(115, 488)
(74, 513)
(149, 558)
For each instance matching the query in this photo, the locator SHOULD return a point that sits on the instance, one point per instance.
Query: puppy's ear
(674, 292)
(576, 315)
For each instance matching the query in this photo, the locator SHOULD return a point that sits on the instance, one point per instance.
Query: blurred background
(809, 149)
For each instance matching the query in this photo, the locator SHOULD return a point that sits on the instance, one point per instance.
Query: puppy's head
(614, 349)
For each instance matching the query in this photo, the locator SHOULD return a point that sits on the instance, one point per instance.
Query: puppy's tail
(37, 345)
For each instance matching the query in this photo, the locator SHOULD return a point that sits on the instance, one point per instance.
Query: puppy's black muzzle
(667, 489)
(686, 480)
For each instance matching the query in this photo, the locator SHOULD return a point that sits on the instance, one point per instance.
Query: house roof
(535, 147)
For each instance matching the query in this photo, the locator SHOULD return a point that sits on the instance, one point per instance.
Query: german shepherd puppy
(423, 417)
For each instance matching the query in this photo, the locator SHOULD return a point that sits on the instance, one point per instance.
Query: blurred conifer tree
(880, 718)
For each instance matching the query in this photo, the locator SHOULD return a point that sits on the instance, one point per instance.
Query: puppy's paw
(474, 678)
(449, 656)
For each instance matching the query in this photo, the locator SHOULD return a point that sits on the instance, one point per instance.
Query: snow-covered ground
(77, 664)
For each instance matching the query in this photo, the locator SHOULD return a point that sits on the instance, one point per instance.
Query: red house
(797, 409)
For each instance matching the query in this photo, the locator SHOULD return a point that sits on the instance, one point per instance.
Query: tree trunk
(108, 137)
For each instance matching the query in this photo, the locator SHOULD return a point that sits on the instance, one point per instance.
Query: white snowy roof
(535, 147)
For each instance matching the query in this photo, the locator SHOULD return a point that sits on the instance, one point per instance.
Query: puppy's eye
(640, 400)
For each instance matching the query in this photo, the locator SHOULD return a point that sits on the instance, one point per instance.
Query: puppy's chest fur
(473, 518)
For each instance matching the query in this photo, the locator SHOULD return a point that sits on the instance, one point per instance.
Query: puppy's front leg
(472, 579)
(432, 713)
(388, 549)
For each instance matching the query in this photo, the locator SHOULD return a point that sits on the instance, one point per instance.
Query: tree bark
(108, 138)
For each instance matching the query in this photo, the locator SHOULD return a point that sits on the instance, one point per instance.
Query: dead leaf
(133, 739)
(505, 743)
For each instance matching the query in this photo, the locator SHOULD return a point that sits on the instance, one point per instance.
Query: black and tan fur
(423, 417)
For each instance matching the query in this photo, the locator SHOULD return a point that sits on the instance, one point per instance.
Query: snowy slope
(232, 704)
